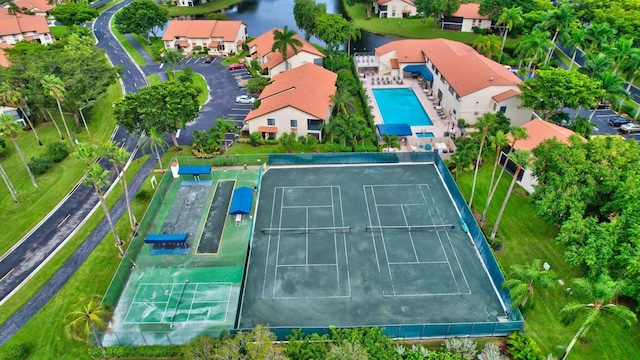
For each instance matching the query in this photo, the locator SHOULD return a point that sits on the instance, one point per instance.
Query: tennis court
(362, 245)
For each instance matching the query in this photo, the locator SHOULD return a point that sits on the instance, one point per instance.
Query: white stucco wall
(395, 9)
(283, 119)
(299, 59)
(467, 24)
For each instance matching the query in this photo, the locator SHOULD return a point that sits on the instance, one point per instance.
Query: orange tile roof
(469, 11)
(17, 24)
(451, 58)
(506, 95)
(268, 129)
(4, 62)
(203, 29)
(264, 43)
(307, 88)
(539, 131)
(35, 5)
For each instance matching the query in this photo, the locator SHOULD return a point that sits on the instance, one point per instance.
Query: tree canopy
(166, 107)
(436, 8)
(334, 30)
(73, 13)
(305, 13)
(591, 189)
(141, 17)
(493, 8)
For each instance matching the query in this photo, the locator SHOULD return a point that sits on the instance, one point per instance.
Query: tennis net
(317, 230)
(409, 228)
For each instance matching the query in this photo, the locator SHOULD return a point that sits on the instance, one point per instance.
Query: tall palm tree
(533, 46)
(631, 67)
(12, 96)
(497, 141)
(171, 58)
(44, 113)
(595, 64)
(487, 45)
(463, 156)
(522, 280)
(352, 32)
(620, 51)
(521, 158)
(558, 20)
(577, 40)
(340, 99)
(7, 181)
(390, 141)
(153, 140)
(56, 90)
(483, 125)
(283, 41)
(93, 316)
(10, 129)
(612, 86)
(86, 153)
(599, 34)
(601, 295)
(119, 157)
(97, 176)
(517, 133)
(509, 18)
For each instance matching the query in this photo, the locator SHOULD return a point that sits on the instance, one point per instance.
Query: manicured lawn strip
(526, 237)
(208, 7)
(128, 47)
(153, 79)
(108, 6)
(54, 185)
(45, 333)
(156, 46)
(59, 31)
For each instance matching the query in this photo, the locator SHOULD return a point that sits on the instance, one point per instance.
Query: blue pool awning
(241, 201)
(421, 69)
(394, 129)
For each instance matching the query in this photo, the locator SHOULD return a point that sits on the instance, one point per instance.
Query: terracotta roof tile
(264, 43)
(226, 30)
(18, 24)
(464, 68)
(539, 131)
(268, 129)
(35, 5)
(469, 11)
(4, 62)
(506, 95)
(307, 88)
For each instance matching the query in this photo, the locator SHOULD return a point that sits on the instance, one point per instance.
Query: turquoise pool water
(425, 134)
(401, 106)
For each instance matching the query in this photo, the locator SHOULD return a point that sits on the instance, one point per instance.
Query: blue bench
(196, 171)
(166, 238)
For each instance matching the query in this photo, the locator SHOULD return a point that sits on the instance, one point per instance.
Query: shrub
(3, 146)
(18, 351)
(484, 31)
(57, 151)
(366, 148)
(40, 165)
(143, 195)
(257, 84)
(255, 138)
(149, 351)
(491, 351)
(522, 347)
(197, 48)
(271, 142)
(475, 29)
(465, 348)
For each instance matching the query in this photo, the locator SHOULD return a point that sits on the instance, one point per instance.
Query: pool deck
(439, 127)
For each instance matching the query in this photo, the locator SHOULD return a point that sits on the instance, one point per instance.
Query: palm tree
(601, 295)
(483, 125)
(599, 34)
(463, 157)
(521, 158)
(353, 33)
(171, 58)
(11, 96)
(487, 45)
(10, 128)
(596, 63)
(119, 157)
(44, 115)
(81, 324)
(390, 141)
(498, 141)
(558, 20)
(533, 46)
(510, 18)
(7, 181)
(631, 66)
(153, 140)
(86, 153)
(577, 39)
(56, 90)
(612, 86)
(523, 278)
(340, 99)
(285, 40)
(619, 51)
(97, 176)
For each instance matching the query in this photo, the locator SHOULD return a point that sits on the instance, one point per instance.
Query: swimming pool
(425, 134)
(401, 106)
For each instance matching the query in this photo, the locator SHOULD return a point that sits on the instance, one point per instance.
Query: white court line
(305, 265)
(413, 245)
(373, 237)
(306, 238)
(384, 243)
(417, 204)
(275, 275)
(335, 239)
(266, 266)
(306, 207)
(344, 243)
(418, 262)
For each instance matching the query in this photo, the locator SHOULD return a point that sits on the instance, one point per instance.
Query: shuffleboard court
(362, 245)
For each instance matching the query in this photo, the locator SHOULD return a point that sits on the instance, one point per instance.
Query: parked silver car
(629, 128)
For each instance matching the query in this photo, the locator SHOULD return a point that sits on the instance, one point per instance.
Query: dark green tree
(437, 8)
(509, 18)
(305, 13)
(493, 8)
(74, 13)
(141, 17)
(366, 3)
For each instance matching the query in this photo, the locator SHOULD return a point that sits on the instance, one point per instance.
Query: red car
(236, 66)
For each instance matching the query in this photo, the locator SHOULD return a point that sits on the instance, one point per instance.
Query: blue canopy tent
(394, 129)
(420, 69)
(241, 201)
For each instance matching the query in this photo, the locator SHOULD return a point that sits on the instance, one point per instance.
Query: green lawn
(45, 334)
(408, 28)
(154, 49)
(208, 7)
(527, 237)
(35, 203)
(107, 6)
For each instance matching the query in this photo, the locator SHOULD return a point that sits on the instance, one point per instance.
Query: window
(294, 123)
(450, 90)
(503, 109)
(314, 124)
(271, 122)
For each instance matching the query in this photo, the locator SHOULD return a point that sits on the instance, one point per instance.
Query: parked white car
(245, 99)
(630, 128)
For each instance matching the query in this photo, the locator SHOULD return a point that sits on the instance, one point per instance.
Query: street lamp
(85, 121)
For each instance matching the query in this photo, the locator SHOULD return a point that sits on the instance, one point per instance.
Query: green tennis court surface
(362, 245)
